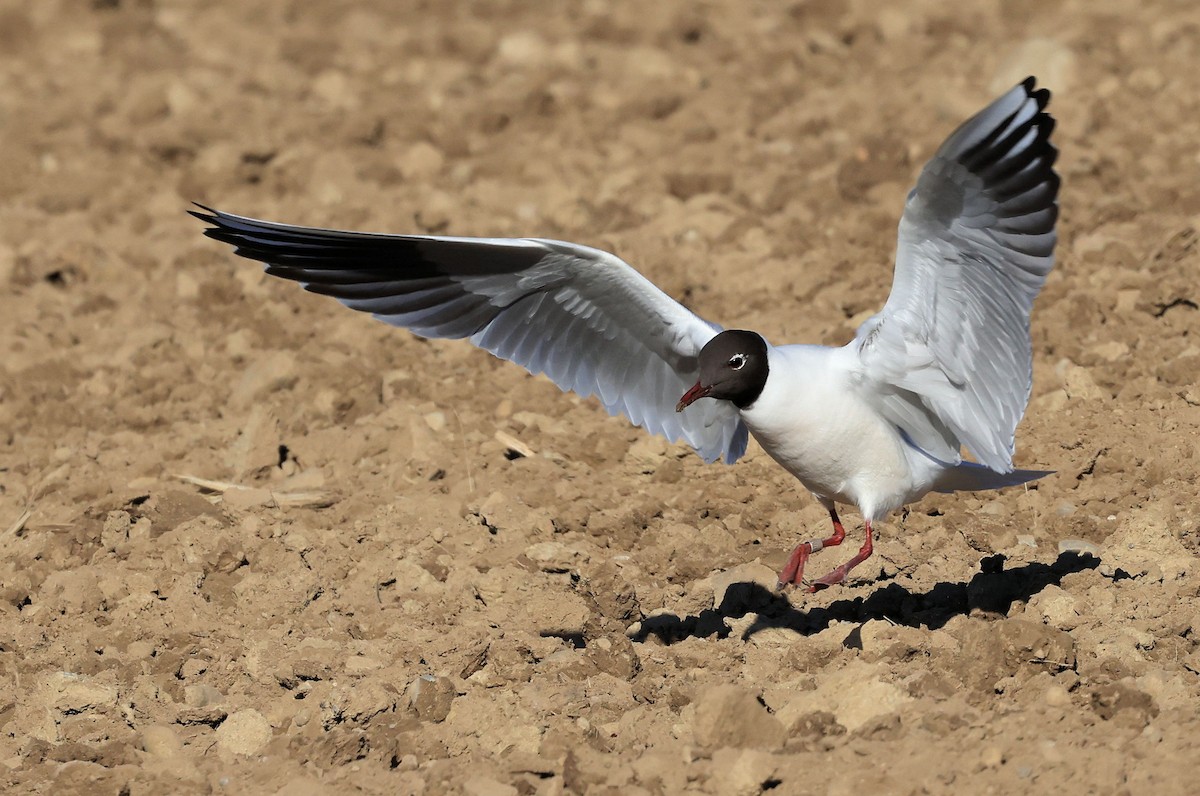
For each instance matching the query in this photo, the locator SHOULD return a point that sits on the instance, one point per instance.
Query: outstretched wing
(950, 352)
(583, 317)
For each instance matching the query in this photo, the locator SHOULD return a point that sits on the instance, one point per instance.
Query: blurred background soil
(254, 542)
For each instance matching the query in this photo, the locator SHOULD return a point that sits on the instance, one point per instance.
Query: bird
(877, 423)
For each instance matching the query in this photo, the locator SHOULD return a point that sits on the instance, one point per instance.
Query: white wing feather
(950, 353)
(583, 317)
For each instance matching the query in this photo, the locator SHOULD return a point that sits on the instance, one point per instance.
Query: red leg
(839, 574)
(794, 571)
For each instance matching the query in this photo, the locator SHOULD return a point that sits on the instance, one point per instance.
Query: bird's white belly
(834, 442)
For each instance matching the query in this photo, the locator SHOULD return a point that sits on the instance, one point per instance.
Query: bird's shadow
(992, 591)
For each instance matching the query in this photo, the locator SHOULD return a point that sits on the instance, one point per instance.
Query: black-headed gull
(879, 422)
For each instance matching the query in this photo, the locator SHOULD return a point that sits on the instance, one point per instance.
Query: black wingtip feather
(1007, 174)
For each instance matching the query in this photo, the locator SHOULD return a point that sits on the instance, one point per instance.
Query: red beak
(698, 391)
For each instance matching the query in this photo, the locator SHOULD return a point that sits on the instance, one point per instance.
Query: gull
(877, 423)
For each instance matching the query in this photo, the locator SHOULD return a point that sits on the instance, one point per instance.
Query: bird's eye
(737, 361)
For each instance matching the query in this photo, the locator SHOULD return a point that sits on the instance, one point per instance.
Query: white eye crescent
(737, 361)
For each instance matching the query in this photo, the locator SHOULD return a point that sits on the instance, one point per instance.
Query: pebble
(551, 556)
(245, 732)
(202, 695)
(742, 772)
(78, 693)
(431, 697)
(159, 740)
(1057, 696)
(1078, 381)
(728, 715)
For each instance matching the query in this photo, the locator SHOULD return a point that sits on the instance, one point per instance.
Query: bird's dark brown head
(733, 367)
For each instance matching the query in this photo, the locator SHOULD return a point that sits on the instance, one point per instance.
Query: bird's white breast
(811, 419)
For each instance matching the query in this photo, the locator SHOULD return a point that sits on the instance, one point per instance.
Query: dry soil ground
(397, 604)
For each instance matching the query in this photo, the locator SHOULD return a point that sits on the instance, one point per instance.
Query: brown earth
(400, 604)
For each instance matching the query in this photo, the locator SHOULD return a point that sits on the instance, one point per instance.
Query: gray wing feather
(950, 353)
(583, 317)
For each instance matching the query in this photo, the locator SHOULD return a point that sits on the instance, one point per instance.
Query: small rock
(1078, 381)
(992, 757)
(1057, 607)
(728, 715)
(855, 695)
(431, 697)
(742, 772)
(1057, 696)
(550, 556)
(1027, 540)
(245, 732)
(202, 695)
(160, 740)
(72, 693)
(211, 715)
(1110, 699)
(193, 668)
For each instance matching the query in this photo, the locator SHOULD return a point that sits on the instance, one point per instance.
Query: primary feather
(950, 352)
(583, 317)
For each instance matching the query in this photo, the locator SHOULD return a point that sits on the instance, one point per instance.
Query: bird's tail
(969, 477)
